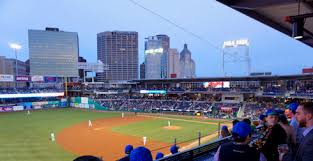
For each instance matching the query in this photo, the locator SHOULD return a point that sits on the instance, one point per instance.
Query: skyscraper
(119, 51)
(165, 42)
(53, 52)
(142, 70)
(187, 65)
(173, 64)
(153, 57)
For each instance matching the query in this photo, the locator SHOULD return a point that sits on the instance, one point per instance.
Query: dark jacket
(232, 152)
(277, 136)
(305, 151)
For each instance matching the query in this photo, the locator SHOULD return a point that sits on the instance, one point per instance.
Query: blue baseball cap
(279, 111)
(128, 149)
(140, 154)
(174, 149)
(271, 112)
(293, 106)
(242, 129)
(224, 128)
(159, 155)
(261, 117)
(87, 158)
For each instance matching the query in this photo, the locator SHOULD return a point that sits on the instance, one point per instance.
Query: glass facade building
(118, 50)
(53, 52)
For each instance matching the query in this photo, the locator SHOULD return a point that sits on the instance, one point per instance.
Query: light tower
(236, 51)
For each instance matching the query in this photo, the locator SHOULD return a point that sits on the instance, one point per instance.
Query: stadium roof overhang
(211, 79)
(273, 13)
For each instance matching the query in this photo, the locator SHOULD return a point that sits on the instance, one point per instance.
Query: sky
(270, 50)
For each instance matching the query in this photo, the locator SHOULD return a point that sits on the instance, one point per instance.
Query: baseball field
(26, 137)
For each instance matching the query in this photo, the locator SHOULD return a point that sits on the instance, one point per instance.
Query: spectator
(224, 132)
(174, 149)
(304, 115)
(87, 158)
(140, 154)
(128, 150)
(294, 123)
(291, 136)
(239, 148)
(235, 122)
(274, 135)
(262, 120)
(159, 155)
(248, 121)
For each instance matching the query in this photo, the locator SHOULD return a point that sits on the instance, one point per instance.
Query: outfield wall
(33, 105)
(86, 103)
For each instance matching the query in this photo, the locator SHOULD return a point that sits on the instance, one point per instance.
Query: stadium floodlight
(15, 46)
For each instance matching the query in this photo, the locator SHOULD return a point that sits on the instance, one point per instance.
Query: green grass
(195, 118)
(153, 129)
(26, 137)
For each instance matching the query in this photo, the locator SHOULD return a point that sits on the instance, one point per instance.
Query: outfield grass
(154, 129)
(26, 137)
(196, 118)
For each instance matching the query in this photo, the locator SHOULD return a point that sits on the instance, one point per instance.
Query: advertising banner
(50, 79)
(18, 108)
(22, 78)
(6, 109)
(84, 100)
(37, 107)
(37, 78)
(6, 78)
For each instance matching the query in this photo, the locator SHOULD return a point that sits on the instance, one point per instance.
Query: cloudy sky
(269, 50)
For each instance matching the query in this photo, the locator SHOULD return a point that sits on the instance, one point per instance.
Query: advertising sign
(22, 78)
(37, 78)
(6, 78)
(18, 108)
(216, 84)
(6, 109)
(50, 79)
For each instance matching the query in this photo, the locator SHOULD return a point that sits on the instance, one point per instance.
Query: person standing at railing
(239, 148)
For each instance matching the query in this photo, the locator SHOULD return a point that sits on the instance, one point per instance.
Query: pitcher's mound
(171, 127)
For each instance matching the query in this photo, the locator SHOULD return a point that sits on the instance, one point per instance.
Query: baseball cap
(128, 149)
(174, 149)
(141, 154)
(242, 129)
(293, 106)
(261, 117)
(271, 112)
(224, 128)
(87, 158)
(159, 155)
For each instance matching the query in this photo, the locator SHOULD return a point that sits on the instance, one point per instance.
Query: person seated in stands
(234, 122)
(224, 132)
(294, 123)
(159, 155)
(261, 120)
(273, 136)
(174, 149)
(246, 120)
(128, 150)
(239, 148)
(87, 158)
(140, 154)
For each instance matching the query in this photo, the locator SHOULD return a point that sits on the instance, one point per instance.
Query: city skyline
(265, 42)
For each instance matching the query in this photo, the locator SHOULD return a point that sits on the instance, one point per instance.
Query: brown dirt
(171, 127)
(99, 140)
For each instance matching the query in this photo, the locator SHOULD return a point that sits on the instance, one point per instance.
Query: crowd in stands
(31, 90)
(279, 135)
